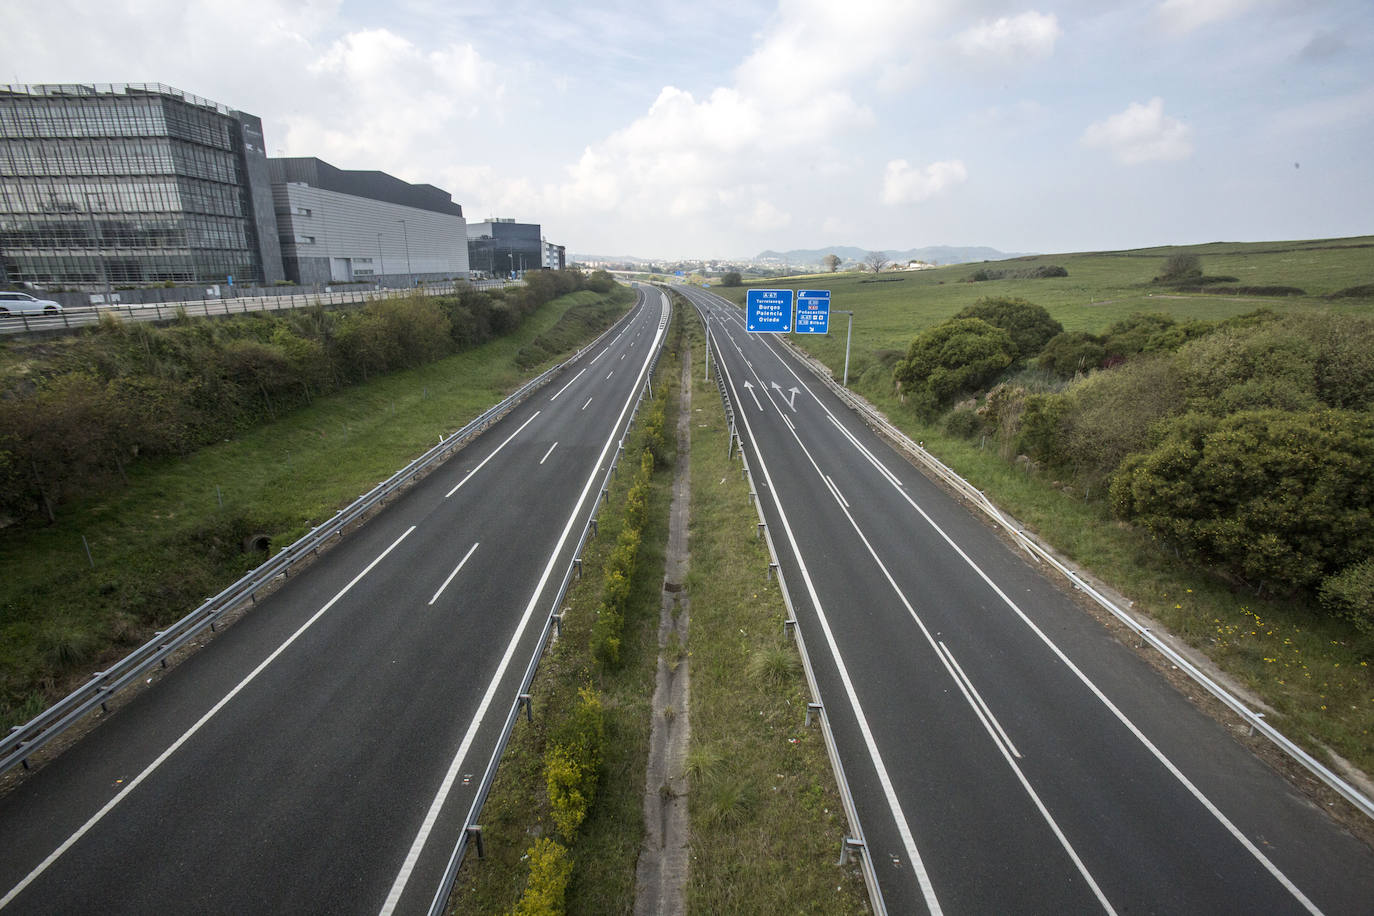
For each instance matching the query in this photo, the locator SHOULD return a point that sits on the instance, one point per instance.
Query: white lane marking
(1178, 774)
(187, 735)
(491, 456)
(570, 381)
(889, 792)
(623, 355)
(789, 423)
(609, 374)
(872, 459)
(441, 796)
(985, 712)
(584, 406)
(548, 453)
(470, 552)
(750, 388)
(834, 489)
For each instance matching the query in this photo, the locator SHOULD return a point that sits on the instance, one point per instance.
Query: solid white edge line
(491, 456)
(875, 756)
(1168, 764)
(441, 797)
(187, 735)
(981, 703)
(455, 572)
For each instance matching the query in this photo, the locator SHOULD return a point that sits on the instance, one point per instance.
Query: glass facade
(127, 185)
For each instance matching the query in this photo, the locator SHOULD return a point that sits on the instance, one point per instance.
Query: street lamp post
(410, 277)
(511, 256)
(381, 264)
(99, 254)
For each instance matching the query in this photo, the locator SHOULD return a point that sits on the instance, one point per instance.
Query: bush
(964, 424)
(1029, 325)
(732, 278)
(550, 871)
(1276, 498)
(1181, 266)
(572, 764)
(1350, 595)
(958, 356)
(1072, 352)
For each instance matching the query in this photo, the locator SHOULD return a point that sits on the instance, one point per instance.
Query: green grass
(1314, 672)
(766, 819)
(60, 618)
(1101, 288)
(517, 811)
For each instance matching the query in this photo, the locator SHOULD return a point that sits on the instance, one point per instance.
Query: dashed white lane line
(466, 556)
(491, 456)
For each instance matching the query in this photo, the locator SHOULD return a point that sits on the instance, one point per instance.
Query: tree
(1072, 352)
(732, 278)
(1029, 325)
(1181, 266)
(961, 355)
(876, 261)
(831, 262)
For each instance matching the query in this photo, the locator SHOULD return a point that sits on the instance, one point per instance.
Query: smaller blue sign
(768, 311)
(813, 311)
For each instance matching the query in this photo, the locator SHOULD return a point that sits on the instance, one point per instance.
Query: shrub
(550, 871)
(1072, 352)
(732, 278)
(1181, 266)
(1350, 595)
(1276, 498)
(572, 764)
(960, 355)
(965, 424)
(1029, 325)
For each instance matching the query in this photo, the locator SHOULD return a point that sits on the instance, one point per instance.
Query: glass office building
(503, 247)
(132, 184)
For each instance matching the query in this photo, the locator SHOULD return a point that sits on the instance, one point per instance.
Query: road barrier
(855, 842)
(472, 830)
(24, 740)
(1038, 551)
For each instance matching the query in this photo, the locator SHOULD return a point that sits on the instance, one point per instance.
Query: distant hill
(935, 254)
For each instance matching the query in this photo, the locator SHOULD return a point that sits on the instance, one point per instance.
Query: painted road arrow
(750, 386)
(791, 401)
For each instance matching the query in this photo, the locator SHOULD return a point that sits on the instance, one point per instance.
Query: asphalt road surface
(1006, 753)
(322, 754)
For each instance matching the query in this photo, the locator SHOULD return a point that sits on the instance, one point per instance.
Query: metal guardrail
(856, 839)
(87, 316)
(24, 740)
(1031, 545)
(554, 619)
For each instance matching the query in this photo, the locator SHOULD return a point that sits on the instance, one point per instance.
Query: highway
(323, 753)
(1007, 754)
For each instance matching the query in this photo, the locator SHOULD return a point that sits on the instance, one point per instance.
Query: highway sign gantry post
(813, 311)
(768, 311)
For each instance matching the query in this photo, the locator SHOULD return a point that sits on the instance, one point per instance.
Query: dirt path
(661, 876)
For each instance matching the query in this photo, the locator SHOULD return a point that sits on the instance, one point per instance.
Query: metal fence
(24, 740)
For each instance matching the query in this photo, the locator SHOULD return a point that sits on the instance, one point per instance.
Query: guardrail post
(850, 846)
(810, 708)
(772, 567)
(474, 833)
(528, 703)
(557, 620)
(577, 565)
(758, 534)
(1143, 634)
(1258, 715)
(606, 495)
(788, 626)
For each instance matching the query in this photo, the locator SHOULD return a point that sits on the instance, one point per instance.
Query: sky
(720, 128)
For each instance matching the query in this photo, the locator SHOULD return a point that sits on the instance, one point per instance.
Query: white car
(24, 304)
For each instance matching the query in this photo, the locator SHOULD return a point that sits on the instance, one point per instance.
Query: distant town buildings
(134, 184)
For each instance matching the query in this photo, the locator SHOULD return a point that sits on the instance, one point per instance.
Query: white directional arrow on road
(750, 386)
(793, 391)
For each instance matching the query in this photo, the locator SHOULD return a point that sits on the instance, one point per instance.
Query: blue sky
(719, 129)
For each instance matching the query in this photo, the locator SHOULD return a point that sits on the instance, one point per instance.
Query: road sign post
(813, 311)
(768, 311)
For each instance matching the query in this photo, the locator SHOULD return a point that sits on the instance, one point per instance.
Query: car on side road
(24, 304)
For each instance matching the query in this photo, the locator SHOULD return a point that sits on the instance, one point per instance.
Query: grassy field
(1313, 673)
(62, 615)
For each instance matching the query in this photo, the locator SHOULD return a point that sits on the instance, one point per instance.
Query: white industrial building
(343, 226)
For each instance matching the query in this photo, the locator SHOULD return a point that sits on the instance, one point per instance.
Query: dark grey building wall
(371, 184)
(263, 216)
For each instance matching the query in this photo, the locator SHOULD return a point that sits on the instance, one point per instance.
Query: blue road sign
(813, 311)
(768, 311)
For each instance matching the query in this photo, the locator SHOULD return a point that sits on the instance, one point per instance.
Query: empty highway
(1006, 752)
(322, 754)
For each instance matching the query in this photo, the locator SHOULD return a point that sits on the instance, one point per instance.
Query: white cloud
(1141, 133)
(1183, 16)
(903, 184)
(1029, 35)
